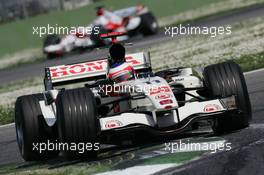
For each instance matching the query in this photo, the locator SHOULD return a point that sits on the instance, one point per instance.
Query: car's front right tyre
(224, 80)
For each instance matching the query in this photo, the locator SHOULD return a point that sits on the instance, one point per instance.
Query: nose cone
(158, 91)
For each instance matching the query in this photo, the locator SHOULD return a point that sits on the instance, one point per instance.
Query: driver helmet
(119, 70)
(99, 10)
(117, 53)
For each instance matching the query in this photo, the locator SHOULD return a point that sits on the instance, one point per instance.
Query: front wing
(180, 117)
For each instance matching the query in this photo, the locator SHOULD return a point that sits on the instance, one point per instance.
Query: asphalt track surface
(37, 69)
(246, 155)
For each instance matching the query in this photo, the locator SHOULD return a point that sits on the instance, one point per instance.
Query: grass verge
(217, 14)
(110, 164)
(7, 115)
(20, 84)
(251, 62)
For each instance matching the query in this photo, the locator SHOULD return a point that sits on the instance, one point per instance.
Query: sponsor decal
(212, 108)
(80, 68)
(113, 124)
(168, 107)
(105, 35)
(162, 96)
(179, 79)
(161, 89)
(132, 60)
(88, 67)
(167, 101)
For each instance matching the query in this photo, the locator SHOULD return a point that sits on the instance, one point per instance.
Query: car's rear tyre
(95, 36)
(51, 40)
(31, 128)
(223, 80)
(78, 122)
(149, 24)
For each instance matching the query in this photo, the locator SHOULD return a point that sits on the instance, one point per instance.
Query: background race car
(133, 20)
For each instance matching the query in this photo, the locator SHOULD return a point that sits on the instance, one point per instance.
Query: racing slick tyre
(149, 24)
(31, 128)
(51, 40)
(223, 80)
(78, 123)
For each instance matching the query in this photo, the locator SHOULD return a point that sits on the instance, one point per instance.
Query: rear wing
(90, 70)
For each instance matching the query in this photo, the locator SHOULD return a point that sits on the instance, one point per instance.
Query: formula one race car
(157, 104)
(132, 20)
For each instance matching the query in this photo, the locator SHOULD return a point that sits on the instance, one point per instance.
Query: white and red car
(157, 104)
(133, 21)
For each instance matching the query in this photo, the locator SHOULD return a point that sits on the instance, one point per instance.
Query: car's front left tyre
(32, 130)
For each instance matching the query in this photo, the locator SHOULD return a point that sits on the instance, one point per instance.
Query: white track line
(254, 71)
(7, 125)
(140, 169)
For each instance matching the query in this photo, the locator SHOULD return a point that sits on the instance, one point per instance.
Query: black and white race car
(133, 20)
(160, 103)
